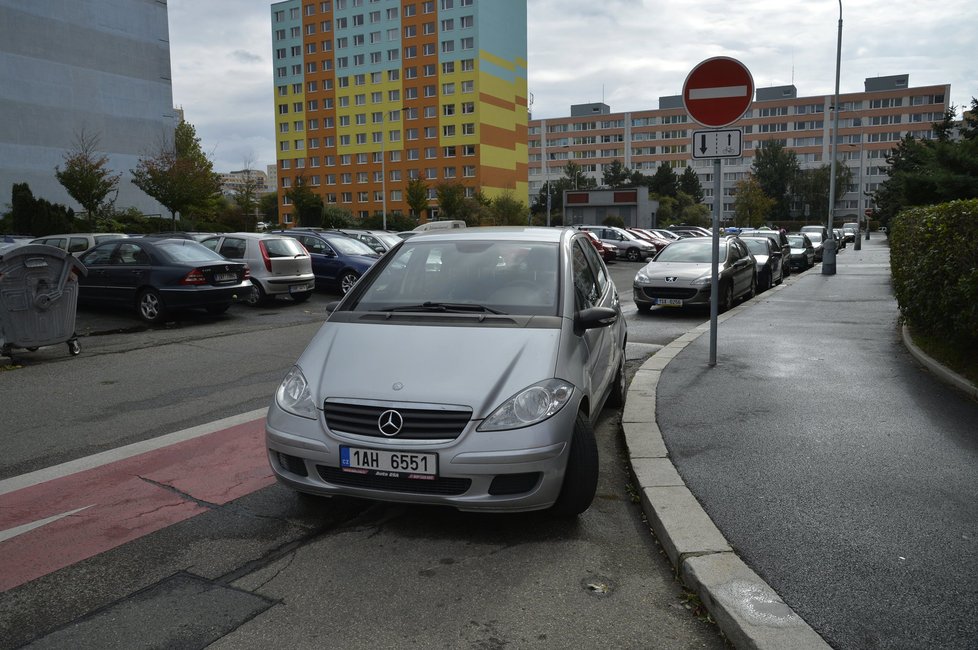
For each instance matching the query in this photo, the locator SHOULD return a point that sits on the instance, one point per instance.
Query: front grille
(419, 424)
(669, 292)
(442, 485)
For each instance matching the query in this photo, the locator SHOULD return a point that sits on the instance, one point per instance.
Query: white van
(439, 225)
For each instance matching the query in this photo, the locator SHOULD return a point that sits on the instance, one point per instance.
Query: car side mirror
(593, 317)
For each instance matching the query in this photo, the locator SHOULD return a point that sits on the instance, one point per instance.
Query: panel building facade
(101, 67)
(370, 94)
(871, 123)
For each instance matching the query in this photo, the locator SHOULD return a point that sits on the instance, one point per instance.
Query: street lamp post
(383, 169)
(828, 256)
(546, 170)
(859, 197)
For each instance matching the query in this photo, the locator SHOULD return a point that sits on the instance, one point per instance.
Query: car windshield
(186, 250)
(815, 237)
(283, 247)
(511, 277)
(350, 246)
(757, 246)
(796, 241)
(694, 251)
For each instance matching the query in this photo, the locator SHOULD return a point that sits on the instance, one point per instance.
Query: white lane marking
(10, 533)
(121, 453)
(718, 92)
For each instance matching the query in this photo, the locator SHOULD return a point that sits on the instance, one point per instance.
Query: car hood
(658, 271)
(798, 251)
(471, 366)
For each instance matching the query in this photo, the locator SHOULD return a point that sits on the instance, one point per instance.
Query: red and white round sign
(718, 91)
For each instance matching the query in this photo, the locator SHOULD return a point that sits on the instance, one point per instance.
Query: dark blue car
(338, 261)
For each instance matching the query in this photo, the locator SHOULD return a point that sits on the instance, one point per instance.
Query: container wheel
(73, 348)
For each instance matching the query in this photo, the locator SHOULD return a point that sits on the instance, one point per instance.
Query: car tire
(150, 306)
(728, 298)
(581, 474)
(257, 297)
(616, 396)
(347, 280)
(302, 296)
(217, 310)
(633, 255)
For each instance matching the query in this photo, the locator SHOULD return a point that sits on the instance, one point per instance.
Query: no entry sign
(718, 91)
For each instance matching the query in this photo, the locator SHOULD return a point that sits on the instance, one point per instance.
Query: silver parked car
(681, 274)
(279, 265)
(466, 368)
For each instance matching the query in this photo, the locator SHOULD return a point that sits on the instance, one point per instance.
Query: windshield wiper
(446, 307)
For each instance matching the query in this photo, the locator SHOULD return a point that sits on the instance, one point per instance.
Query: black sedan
(158, 276)
(770, 263)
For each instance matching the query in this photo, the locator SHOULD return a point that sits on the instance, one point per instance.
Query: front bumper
(501, 471)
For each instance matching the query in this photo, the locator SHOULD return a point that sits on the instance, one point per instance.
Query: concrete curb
(749, 612)
(940, 371)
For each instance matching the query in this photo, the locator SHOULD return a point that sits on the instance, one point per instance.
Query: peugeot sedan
(681, 274)
(466, 368)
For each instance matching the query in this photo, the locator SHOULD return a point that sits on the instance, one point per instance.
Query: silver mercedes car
(466, 368)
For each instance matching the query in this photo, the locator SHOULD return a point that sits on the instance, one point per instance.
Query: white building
(98, 66)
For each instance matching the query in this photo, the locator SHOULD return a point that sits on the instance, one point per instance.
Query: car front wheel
(581, 475)
(633, 255)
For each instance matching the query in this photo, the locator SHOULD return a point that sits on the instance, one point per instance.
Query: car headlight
(529, 406)
(642, 277)
(294, 397)
(703, 281)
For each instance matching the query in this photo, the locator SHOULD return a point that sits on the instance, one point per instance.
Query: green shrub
(934, 262)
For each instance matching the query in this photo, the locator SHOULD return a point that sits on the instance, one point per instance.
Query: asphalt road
(271, 568)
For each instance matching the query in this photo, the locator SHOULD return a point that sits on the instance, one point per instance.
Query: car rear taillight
(264, 256)
(194, 277)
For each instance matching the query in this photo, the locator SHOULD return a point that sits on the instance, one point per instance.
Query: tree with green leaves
(616, 175)
(928, 172)
(246, 194)
(505, 210)
(450, 200)
(179, 175)
(810, 189)
(664, 182)
(417, 196)
(334, 217)
(307, 206)
(689, 183)
(268, 204)
(775, 169)
(87, 179)
(576, 178)
(751, 205)
(38, 217)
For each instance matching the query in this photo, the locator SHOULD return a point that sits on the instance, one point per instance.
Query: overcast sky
(627, 53)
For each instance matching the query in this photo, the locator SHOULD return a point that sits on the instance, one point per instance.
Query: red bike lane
(63, 520)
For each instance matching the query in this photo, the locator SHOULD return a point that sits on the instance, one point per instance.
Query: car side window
(77, 244)
(233, 249)
(600, 271)
(586, 289)
(313, 244)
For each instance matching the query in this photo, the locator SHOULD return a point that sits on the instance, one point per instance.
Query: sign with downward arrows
(722, 143)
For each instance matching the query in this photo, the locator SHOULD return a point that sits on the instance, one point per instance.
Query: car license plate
(671, 302)
(225, 277)
(299, 288)
(392, 464)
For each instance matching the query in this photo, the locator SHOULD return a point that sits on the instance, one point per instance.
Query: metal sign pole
(714, 280)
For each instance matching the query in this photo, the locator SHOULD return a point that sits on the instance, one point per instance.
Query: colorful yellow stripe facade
(372, 93)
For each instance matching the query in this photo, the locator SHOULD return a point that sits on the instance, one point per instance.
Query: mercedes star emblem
(390, 422)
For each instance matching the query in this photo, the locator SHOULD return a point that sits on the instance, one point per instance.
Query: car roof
(502, 233)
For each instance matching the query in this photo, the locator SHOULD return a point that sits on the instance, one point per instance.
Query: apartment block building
(871, 123)
(370, 94)
(98, 67)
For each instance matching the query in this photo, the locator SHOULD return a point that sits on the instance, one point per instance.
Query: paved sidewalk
(818, 454)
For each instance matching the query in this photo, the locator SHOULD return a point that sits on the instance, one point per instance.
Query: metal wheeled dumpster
(38, 298)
